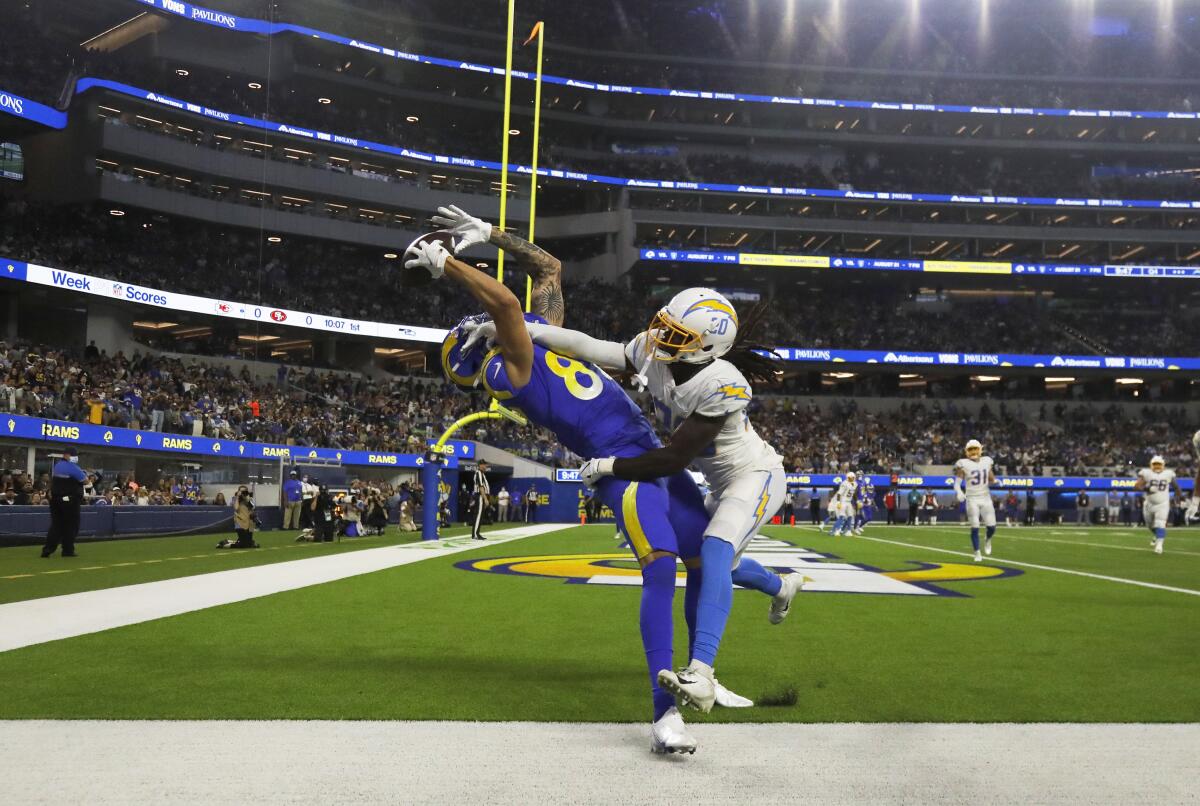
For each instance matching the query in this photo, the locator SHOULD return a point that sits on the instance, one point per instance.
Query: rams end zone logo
(826, 575)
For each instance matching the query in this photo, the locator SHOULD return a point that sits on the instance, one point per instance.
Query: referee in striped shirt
(482, 489)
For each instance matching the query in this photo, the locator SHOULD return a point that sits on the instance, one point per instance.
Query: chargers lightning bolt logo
(731, 392)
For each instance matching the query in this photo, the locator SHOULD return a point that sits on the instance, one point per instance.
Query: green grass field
(432, 640)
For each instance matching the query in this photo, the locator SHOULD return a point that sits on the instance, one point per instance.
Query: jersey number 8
(570, 371)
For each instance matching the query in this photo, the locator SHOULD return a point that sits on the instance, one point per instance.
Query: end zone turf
(435, 641)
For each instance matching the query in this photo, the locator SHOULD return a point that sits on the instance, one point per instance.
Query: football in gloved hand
(418, 276)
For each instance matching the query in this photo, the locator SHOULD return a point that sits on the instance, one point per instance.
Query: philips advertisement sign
(232, 22)
(985, 360)
(85, 84)
(20, 427)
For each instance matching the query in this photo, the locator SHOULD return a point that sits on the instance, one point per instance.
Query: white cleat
(692, 686)
(781, 602)
(987, 547)
(821, 527)
(858, 531)
(1158, 547)
(978, 557)
(670, 735)
(728, 699)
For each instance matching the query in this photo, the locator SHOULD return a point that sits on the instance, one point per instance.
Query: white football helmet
(974, 449)
(696, 326)
(851, 476)
(1157, 463)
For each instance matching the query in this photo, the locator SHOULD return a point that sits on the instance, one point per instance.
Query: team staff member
(66, 496)
(293, 494)
(482, 489)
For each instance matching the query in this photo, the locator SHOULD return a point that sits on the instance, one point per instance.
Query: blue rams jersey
(586, 409)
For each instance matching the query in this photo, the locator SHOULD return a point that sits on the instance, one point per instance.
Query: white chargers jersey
(1158, 485)
(845, 491)
(976, 473)
(718, 390)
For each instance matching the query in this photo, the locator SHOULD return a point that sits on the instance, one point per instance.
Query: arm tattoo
(544, 270)
(548, 303)
(539, 263)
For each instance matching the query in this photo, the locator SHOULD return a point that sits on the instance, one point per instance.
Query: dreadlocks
(759, 363)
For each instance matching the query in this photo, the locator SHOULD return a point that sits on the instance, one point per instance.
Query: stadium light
(985, 378)
(390, 255)
(1066, 379)
(274, 239)
(413, 119)
(663, 279)
(1130, 381)
(324, 100)
(117, 213)
(514, 132)
(254, 85)
(481, 265)
(182, 72)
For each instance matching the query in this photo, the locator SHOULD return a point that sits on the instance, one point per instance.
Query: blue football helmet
(462, 369)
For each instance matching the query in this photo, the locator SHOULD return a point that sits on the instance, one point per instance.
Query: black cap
(68, 451)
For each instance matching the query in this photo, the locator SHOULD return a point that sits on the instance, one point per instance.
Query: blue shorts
(662, 515)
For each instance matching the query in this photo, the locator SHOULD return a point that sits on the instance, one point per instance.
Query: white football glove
(595, 469)
(1192, 507)
(479, 331)
(428, 255)
(960, 497)
(468, 230)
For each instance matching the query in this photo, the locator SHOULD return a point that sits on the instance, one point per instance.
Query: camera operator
(377, 516)
(322, 513)
(244, 519)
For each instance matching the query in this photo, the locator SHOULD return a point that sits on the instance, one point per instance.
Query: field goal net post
(435, 458)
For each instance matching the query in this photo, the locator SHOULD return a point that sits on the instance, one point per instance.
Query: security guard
(66, 496)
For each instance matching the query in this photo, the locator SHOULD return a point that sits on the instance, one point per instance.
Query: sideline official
(481, 492)
(66, 497)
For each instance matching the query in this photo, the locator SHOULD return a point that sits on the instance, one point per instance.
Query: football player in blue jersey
(663, 519)
(866, 503)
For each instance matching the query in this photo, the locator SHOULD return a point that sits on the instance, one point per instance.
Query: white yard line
(167, 763)
(37, 621)
(1008, 535)
(1087, 574)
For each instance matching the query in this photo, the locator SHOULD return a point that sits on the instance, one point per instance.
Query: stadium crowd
(342, 410)
(1023, 438)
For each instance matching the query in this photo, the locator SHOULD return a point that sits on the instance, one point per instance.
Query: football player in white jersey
(1157, 482)
(845, 505)
(976, 471)
(695, 366)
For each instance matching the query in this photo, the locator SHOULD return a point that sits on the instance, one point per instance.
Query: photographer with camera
(323, 516)
(244, 519)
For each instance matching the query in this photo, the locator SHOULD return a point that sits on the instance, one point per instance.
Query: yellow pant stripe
(633, 526)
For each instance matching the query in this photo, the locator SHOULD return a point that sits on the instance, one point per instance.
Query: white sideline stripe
(1153, 585)
(1030, 538)
(53, 618)
(167, 763)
